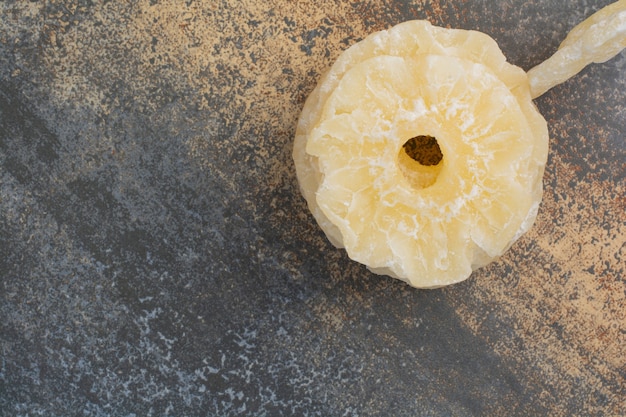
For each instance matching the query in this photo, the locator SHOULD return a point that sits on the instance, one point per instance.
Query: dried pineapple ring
(488, 181)
(429, 226)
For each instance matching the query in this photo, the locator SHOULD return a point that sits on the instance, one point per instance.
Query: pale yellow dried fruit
(428, 225)
(432, 222)
(597, 39)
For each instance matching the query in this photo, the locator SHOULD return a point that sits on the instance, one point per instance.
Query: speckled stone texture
(157, 258)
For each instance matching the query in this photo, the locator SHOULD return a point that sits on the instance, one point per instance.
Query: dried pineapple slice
(483, 194)
(432, 223)
(418, 79)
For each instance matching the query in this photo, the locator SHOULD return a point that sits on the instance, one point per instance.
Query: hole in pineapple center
(420, 161)
(423, 149)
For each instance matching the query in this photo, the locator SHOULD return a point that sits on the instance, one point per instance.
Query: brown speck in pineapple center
(420, 161)
(424, 150)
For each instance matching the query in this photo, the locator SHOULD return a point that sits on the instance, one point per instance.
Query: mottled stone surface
(156, 257)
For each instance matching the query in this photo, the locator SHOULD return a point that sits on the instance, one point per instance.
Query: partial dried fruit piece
(428, 224)
(597, 39)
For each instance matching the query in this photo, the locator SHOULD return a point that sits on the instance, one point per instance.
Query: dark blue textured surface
(156, 257)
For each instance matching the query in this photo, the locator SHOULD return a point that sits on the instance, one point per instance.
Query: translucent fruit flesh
(428, 224)
(597, 39)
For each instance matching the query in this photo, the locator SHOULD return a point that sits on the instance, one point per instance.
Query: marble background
(157, 258)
